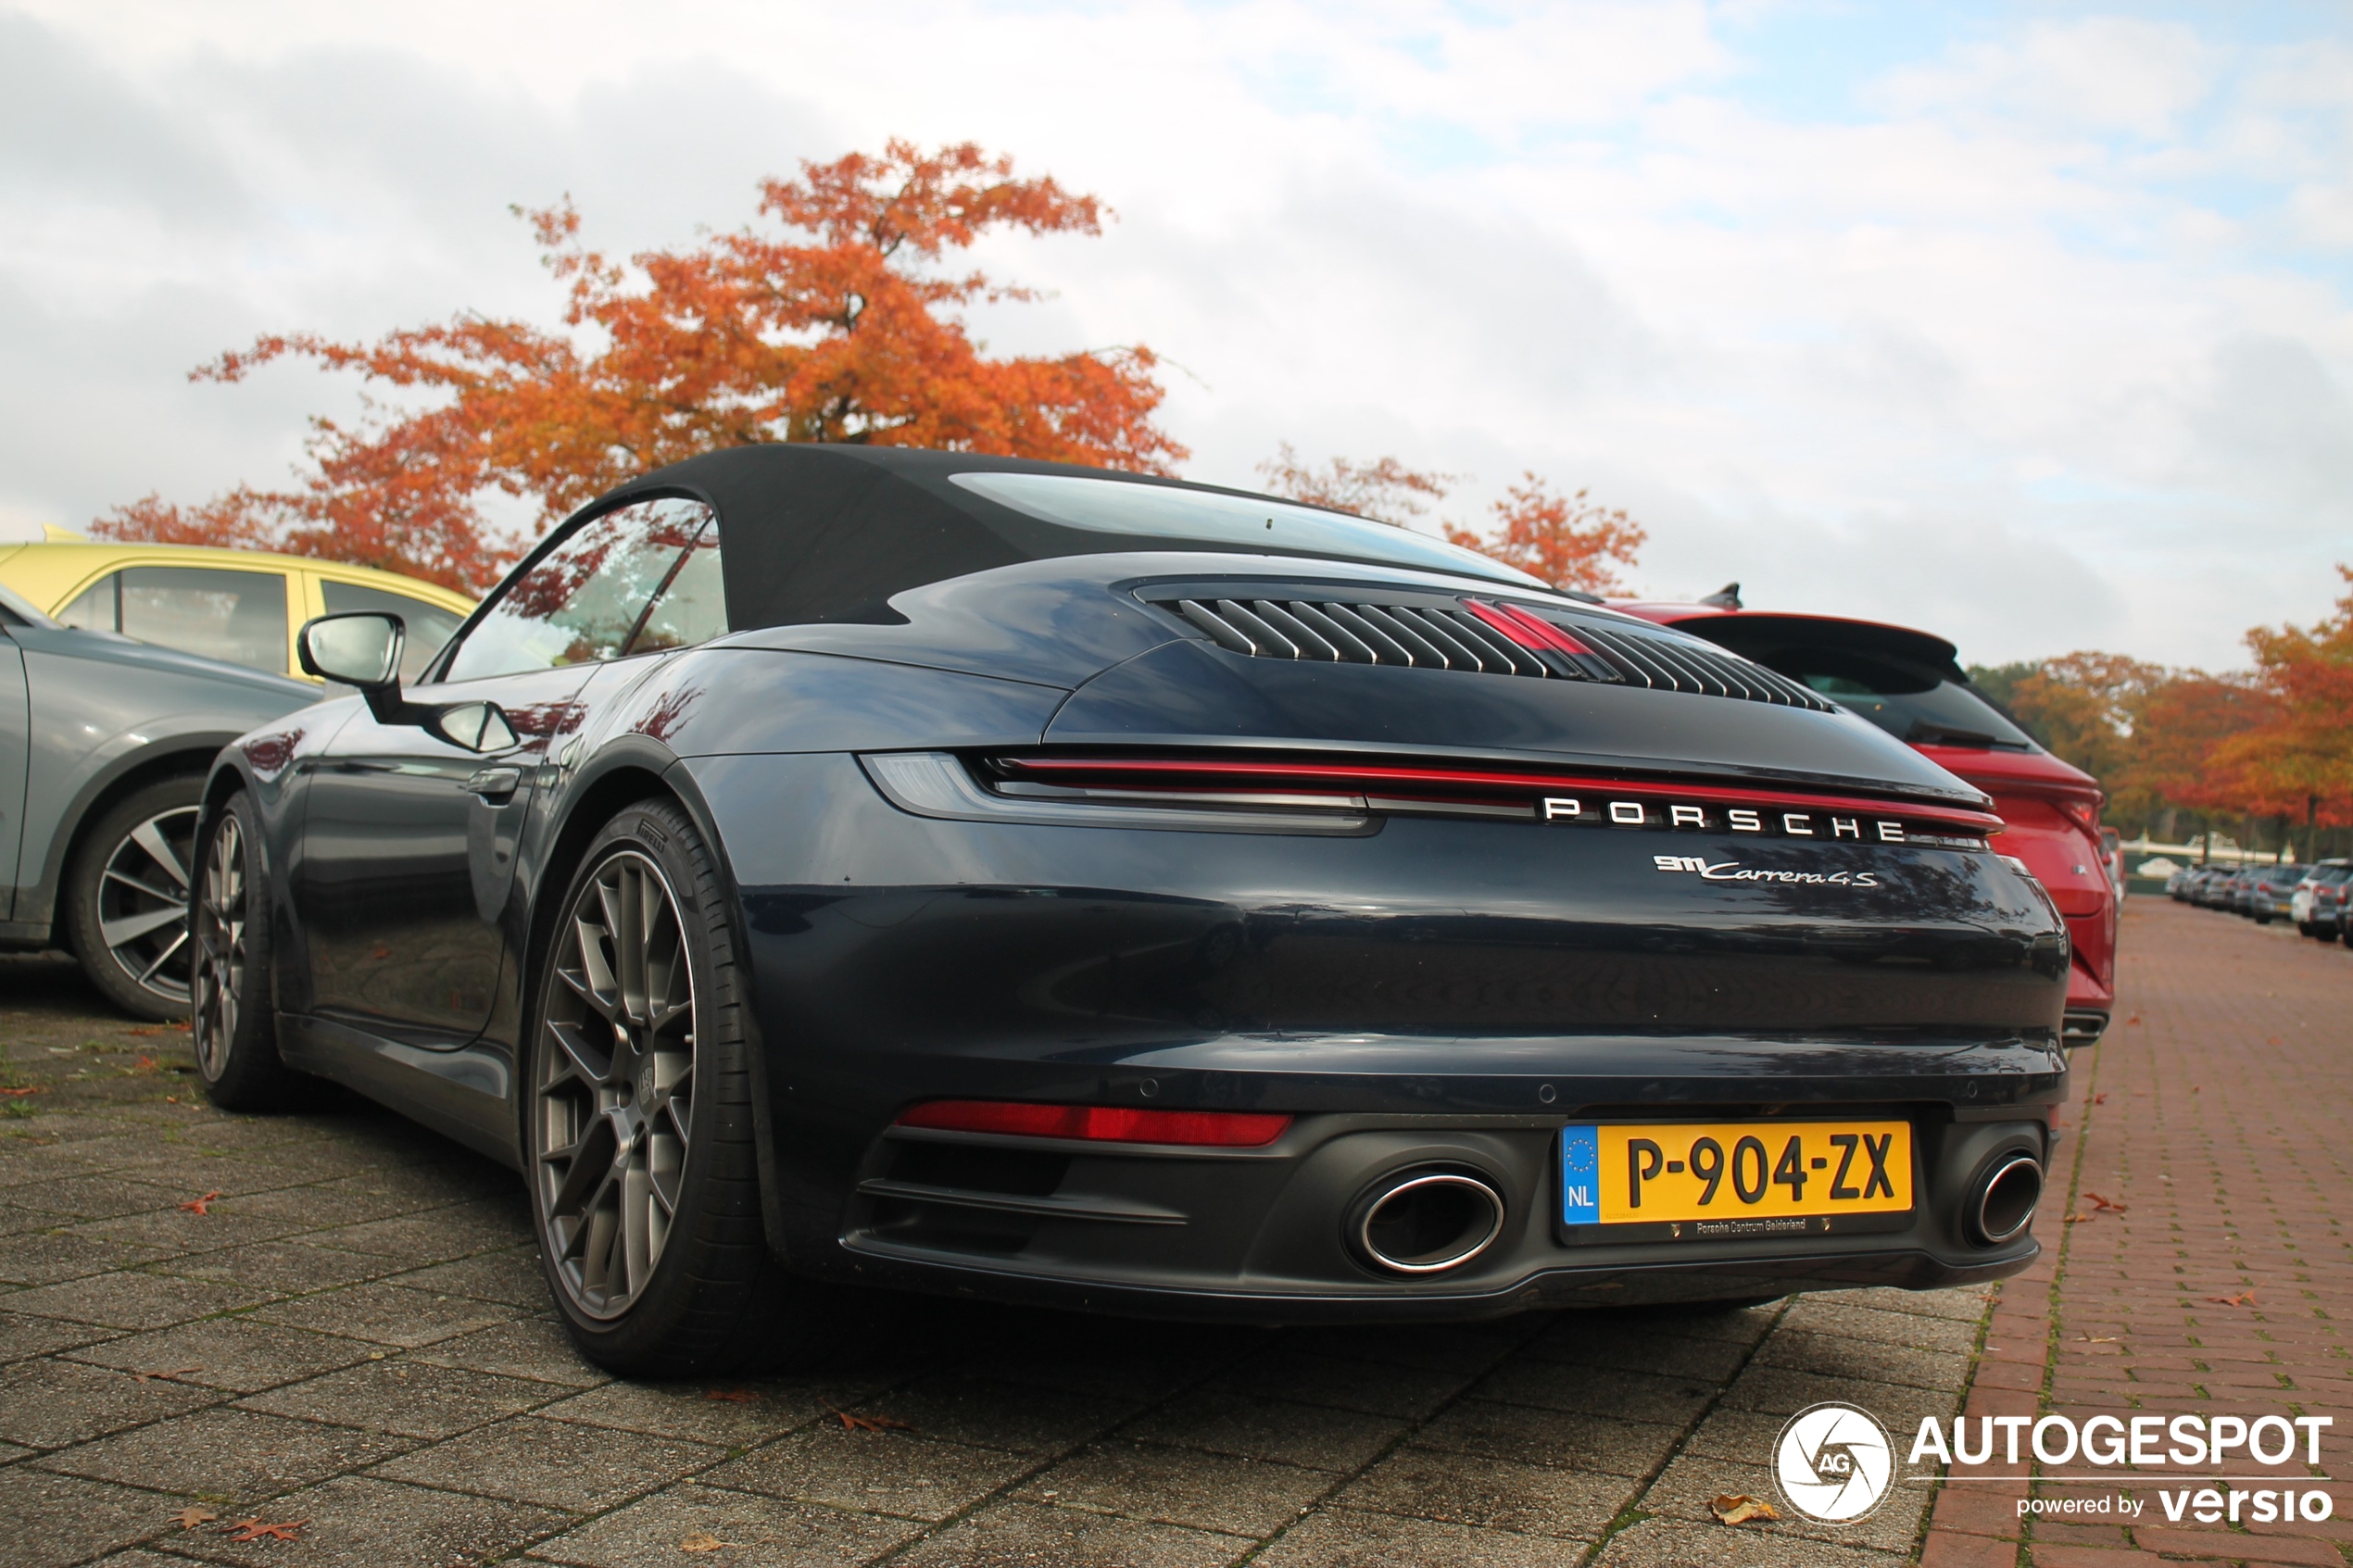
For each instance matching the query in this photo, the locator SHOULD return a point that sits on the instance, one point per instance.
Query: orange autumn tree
(835, 320)
(1382, 489)
(1566, 540)
(2295, 761)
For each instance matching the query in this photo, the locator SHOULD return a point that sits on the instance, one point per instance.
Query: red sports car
(1908, 684)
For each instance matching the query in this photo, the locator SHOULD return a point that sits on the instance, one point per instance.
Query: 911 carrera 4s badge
(1733, 871)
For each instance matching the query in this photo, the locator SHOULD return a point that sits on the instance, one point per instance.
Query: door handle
(495, 784)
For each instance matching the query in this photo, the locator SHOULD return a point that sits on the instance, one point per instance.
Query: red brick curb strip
(2211, 1272)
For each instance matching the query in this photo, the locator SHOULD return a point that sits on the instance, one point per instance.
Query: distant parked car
(1907, 684)
(104, 744)
(2333, 913)
(2268, 892)
(2315, 906)
(240, 607)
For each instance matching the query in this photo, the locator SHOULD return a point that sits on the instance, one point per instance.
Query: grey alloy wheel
(616, 1082)
(220, 931)
(143, 903)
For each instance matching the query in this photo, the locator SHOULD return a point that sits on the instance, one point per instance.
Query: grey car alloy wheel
(143, 903)
(219, 928)
(616, 1079)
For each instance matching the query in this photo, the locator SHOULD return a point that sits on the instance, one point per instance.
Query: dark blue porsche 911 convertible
(823, 864)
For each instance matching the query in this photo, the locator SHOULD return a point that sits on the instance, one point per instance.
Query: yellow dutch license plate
(1733, 1178)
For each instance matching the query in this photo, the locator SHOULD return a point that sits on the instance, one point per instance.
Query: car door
(409, 839)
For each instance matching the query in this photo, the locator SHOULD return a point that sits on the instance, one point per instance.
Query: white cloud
(2103, 73)
(2045, 345)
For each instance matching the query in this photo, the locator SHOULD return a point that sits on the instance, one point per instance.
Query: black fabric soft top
(816, 532)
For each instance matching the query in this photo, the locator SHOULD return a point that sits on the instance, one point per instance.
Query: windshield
(1227, 523)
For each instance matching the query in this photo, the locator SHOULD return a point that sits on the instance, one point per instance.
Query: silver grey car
(104, 747)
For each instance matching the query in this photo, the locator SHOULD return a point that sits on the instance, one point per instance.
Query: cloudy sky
(2029, 324)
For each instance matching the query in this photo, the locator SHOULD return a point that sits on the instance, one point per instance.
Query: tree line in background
(2265, 755)
(838, 320)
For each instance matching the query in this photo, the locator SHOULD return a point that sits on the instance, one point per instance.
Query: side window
(238, 616)
(429, 624)
(692, 607)
(94, 608)
(585, 598)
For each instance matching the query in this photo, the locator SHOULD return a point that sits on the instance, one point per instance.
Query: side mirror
(360, 648)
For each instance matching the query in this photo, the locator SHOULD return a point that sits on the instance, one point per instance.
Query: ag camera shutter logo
(1833, 1462)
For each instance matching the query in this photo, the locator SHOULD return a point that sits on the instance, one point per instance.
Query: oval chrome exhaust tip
(2005, 1200)
(1426, 1221)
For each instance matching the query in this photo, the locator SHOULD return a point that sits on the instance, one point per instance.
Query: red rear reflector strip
(1101, 1124)
(1527, 630)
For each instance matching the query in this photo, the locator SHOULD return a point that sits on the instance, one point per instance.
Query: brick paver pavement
(2206, 1271)
(353, 1333)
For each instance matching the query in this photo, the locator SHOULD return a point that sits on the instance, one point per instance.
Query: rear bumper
(1264, 1235)
(1432, 993)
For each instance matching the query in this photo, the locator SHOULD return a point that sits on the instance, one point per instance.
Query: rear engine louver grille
(1479, 637)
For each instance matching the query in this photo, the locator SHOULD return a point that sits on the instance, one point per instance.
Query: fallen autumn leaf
(253, 1529)
(870, 1423)
(1739, 1507)
(702, 1540)
(200, 1205)
(189, 1518)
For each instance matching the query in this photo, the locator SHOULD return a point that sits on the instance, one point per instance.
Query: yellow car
(240, 605)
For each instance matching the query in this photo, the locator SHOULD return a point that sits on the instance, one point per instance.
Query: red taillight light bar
(1099, 1123)
(1202, 774)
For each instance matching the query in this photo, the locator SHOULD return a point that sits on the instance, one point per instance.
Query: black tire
(127, 898)
(235, 1034)
(652, 1283)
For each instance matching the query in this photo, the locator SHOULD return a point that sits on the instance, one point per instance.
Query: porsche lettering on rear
(1733, 819)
